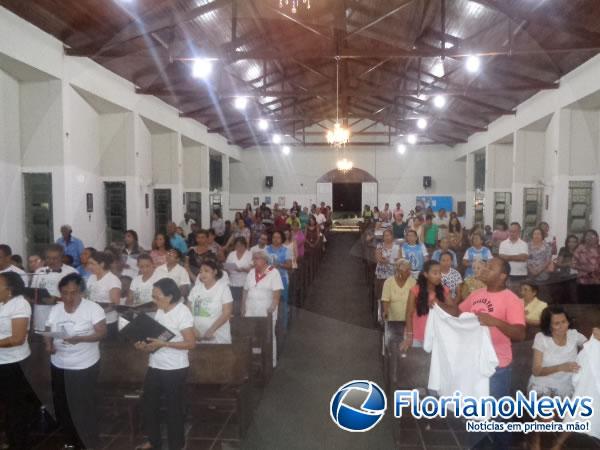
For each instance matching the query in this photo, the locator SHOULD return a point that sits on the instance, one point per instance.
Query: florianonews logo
(358, 406)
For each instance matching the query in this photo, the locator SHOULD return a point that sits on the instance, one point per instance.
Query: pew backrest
(221, 364)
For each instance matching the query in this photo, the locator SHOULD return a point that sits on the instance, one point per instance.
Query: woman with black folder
(15, 392)
(77, 326)
(167, 367)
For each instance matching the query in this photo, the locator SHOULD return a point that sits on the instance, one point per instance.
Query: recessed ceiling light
(422, 124)
(202, 68)
(240, 103)
(285, 150)
(411, 139)
(263, 124)
(473, 64)
(401, 148)
(276, 139)
(439, 101)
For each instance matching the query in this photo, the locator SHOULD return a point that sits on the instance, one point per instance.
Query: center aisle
(330, 343)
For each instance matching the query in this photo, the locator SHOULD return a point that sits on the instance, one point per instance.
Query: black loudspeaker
(426, 182)
(269, 182)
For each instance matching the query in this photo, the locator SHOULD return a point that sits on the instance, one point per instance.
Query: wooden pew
(220, 376)
(259, 331)
(121, 378)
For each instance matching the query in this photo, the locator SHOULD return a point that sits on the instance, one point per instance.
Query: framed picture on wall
(255, 201)
(267, 200)
(281, 201)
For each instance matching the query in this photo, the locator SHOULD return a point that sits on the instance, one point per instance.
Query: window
(216, 172)
(580, 207)
(479, 174)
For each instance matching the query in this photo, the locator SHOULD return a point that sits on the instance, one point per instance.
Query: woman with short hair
(565, 254)
(16, 393)
(197, 254)
(167, 368)
(212, 304)
(238, 264)
(282, 261)
(533, 305)
(451, 277)
(104, 287)
(75, 360)
(477, 252)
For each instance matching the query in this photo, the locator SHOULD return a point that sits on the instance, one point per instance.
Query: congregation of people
(192, 281)
(426, 259)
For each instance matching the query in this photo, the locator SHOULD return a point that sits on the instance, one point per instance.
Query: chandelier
(344, 165)
(294, 4)
(339, 136)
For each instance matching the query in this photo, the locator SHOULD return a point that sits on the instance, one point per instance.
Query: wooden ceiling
(393, 56)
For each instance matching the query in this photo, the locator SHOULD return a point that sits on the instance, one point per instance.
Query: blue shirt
(415, 254)
(74, 248)
(178, 242)
(438, 253)
(84, 273)
(280, 256)
(472, 254)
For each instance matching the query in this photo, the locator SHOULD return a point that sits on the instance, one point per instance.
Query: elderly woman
(539, 264)
(533, 305)
(167, 368)
(395, 291)
(586, 260)
(16, 394)
(262, 292)
(74, 358)
(472, 283)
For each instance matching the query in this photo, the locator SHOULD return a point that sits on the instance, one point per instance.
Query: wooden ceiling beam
(152, 23)
(518, 13)
(354, 92)
(378, 19)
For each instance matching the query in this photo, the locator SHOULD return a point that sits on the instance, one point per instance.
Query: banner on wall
(435, 202)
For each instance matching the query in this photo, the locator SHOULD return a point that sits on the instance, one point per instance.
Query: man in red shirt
(500, 309)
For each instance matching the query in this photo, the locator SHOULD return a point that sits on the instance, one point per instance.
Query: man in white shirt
(321, 219)
(186, 224)
(50, 275)
(515, 251)
(175, 271)
(6, 264)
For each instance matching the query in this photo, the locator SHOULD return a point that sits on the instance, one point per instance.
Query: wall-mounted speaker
(426, 182)
(269, 182)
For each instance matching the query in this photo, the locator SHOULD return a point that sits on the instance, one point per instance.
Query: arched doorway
(347, 192)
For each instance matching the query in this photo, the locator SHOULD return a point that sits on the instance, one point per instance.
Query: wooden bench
(259, 331)
(220, 376)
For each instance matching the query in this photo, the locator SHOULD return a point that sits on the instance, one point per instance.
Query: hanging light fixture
(294, 4)
(339, 136)
(345, 165)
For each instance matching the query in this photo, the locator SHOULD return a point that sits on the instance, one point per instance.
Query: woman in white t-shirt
(74, 355)
(167, 367)
(211, 304)
(262, 292)
(555, 350)
(140, 291)
(15, 394)
(104, 287)
(238, 264)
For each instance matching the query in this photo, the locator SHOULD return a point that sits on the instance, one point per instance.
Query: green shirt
(431, 234)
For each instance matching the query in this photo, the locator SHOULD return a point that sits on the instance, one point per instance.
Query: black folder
(143, 327)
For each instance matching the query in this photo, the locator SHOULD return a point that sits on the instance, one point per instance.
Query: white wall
(10, 164)
(82, 123)
(400, 177)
